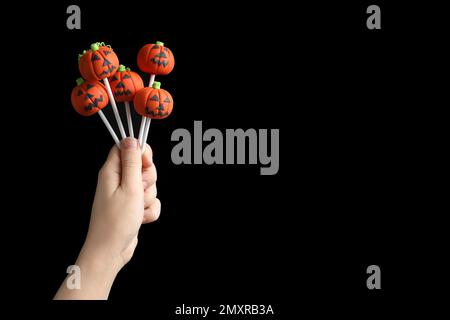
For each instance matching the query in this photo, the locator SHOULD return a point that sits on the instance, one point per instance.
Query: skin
(124, 200)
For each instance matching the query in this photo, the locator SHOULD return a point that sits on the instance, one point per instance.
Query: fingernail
(129, 143)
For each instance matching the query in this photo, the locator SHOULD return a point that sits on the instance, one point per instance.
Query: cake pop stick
(110, 129)
(99, 63)
(142, 129)
(146, 130)
(89, 98)
(146, 121)
(155, 59)
(115, 110)
(153, 103)
(151, 80)
(125, 83)
(129, 120)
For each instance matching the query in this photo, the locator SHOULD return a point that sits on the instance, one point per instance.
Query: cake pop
(99, 63)
(125, 84)
(153, 103)
(155, 59)
(89, 98)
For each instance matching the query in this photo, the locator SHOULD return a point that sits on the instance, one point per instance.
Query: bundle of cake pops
(104, 81)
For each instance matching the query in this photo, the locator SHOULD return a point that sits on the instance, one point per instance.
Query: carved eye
(95, 57)
(79, 93)
(167, 100)
(106, 63)
(126, 76)
(89, 86)
(161, 55)
(114, 78)
(155, 98)
(106, 52)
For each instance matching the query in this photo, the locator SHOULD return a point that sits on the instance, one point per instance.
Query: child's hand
(125, 198)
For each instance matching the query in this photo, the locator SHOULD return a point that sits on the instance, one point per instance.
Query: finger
(150, 196)
(112, 162)
(149, 177)
(147, 157)
(131, 159)
(109, 174)
(152, 213)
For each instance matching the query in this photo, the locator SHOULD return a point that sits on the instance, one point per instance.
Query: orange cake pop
(154, 102)
(155, 59)
(89, 98)
(124, 84)
(99, 63)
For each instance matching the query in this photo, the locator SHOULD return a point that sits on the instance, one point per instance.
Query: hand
(125, 198)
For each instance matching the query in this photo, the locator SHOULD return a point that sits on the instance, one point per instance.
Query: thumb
(131, 159)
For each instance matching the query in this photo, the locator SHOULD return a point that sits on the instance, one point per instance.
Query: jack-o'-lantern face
(156, 59)
(125, 83)
(89, 97)
(159, 105)
(153, 102)
(98, 63)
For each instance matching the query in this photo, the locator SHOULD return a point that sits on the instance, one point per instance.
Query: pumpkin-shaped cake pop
(154, 102)
(89, 97)
(98, 63)
(125, 83)
(155, 59)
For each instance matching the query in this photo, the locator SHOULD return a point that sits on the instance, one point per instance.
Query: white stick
(141, 130)
(114, 106)
(144, 119)
(147, 123)
(152, 79)
(110, 129)
(144, 140)
(130, 121)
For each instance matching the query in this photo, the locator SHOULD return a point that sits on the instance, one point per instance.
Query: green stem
(95, 46)
(80, 81)
(156, 85)
(159, 43)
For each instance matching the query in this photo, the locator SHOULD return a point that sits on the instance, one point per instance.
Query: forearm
(125, 198)
(98, 270)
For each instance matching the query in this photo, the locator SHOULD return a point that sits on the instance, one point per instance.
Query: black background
(349, 103)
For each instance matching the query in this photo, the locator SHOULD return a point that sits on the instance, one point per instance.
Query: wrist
(98, 269)
(100, 258)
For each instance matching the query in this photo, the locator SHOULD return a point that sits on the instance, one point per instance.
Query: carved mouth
(123, 93)
(108, 71)
(156, 113)
(94, 103)
(158, 62)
